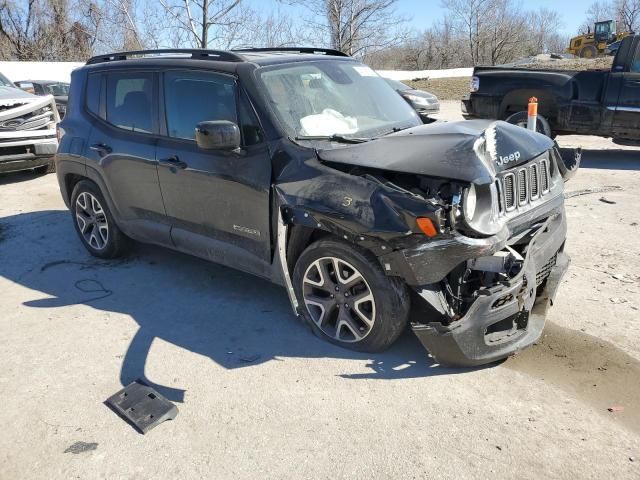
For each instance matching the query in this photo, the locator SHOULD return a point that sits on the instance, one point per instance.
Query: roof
(228, 60)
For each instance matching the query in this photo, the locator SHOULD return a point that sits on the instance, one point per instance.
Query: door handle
(101, 148)
(173, 161)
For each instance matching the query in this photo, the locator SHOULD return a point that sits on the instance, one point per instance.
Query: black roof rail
(312, 50)
(196, 54)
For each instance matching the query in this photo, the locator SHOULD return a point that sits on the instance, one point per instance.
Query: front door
(627, 116)
(122, 148)
(217, 202)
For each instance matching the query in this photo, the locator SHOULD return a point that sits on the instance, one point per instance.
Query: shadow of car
(235, 319)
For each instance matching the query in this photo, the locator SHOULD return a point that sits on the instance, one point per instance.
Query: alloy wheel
(339, 299)
(92, 221)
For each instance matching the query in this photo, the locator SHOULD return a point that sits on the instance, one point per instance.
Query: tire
(100, 235)
(521, 119)
(590, 51)
(365, 314)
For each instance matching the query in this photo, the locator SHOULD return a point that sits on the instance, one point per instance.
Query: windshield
(56, 89)
(4, 82)
(328, 98)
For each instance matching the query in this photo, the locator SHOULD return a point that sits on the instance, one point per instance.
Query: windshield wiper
(333, 138)
(393, 130)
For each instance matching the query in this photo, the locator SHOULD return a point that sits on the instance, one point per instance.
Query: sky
(423, 13)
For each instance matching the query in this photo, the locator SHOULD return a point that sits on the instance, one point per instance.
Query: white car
(27, 129)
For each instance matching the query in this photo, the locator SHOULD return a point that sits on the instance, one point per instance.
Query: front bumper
(426, 112)
(507, 317)
(25, 154)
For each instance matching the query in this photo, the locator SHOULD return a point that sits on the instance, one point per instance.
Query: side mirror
(218, 135)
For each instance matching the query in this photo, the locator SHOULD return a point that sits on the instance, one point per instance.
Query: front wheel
(346, 297)
(589, 51)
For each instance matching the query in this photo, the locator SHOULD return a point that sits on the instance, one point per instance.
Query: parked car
(603, 103)
(27, 129)
(59, 90)
(303, 166)
(425, 103)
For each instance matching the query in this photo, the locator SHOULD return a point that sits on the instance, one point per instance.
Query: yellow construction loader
(594, 44)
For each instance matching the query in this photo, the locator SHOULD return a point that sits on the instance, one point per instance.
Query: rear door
(627, 115)
(122, 147)
(217, 201)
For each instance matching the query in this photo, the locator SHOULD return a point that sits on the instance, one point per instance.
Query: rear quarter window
(94, 90)
(129, 101)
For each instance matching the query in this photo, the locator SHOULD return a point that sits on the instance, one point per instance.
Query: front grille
(545, 176)
(16, 150)
(521, 186)
(40, 119)
(523, 191)
(534, 186)
(509, 188)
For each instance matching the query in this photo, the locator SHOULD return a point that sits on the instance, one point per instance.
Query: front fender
(353, 207)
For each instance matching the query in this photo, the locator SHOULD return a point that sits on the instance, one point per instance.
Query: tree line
(471, 32)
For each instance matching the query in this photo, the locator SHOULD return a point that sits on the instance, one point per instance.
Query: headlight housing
(416, 99)
(480, 209)
(470, 202)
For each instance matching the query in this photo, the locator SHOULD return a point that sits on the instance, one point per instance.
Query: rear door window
(192, 97)
(129, 101)
(635, 64)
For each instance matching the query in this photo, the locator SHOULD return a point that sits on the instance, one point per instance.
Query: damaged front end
(27, 130)
(493, 306)
(485, 278)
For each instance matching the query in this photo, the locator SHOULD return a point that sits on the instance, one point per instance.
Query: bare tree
(628, 15)
(544, 37)
(598, 11)
(355, 27)
(198, 17)
(42, 30)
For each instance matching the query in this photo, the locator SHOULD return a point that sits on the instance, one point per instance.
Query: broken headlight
(480, 209)
(470, 202)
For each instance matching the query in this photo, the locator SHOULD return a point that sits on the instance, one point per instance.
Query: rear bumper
(507, 317)
(27, 154)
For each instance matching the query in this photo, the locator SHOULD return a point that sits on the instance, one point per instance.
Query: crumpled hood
(469, 151)
(14, 93)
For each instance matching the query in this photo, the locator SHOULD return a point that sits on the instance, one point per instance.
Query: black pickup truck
(598, 102)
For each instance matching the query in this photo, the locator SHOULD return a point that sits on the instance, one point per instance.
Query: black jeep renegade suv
(303, 166)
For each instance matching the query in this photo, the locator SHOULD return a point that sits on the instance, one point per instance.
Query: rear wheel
(94, 223)
(346, 297)
(522, 118)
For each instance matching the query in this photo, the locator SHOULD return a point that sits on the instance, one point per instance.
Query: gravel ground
(444, 88)
(260, 397)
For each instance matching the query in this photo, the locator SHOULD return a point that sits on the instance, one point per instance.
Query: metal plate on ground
(142, 406)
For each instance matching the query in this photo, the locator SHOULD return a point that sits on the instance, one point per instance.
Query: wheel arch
(300, 237)
(518, 100)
